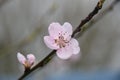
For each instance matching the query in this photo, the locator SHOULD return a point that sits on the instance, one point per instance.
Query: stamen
(61, 42)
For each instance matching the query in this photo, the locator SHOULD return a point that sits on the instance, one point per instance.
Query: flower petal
(76, 49)
(54, 30)
(68, 28)
(67, 31)
(64, 53)
(49, 41)
(75, 46)
(31, 58)
(21, 58)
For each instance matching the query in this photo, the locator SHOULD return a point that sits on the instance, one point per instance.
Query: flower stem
(39, 65)
(78, 29)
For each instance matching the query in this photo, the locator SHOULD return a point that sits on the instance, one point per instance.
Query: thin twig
(78, 29)
(89, 17)
(98, 18)
(40, 64)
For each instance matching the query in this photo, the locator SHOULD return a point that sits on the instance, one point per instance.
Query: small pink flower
(60, 39)
(27, 62)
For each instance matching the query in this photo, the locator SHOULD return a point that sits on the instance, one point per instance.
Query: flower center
(61, 42)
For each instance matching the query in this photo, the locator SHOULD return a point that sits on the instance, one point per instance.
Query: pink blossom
(27, 62)
(60, 39)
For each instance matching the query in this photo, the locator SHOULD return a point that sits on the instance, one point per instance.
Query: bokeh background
(23, 23)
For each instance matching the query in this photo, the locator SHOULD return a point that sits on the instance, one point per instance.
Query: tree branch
(89, 17)
(40, 64)
(98, 18)
(78, 29)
